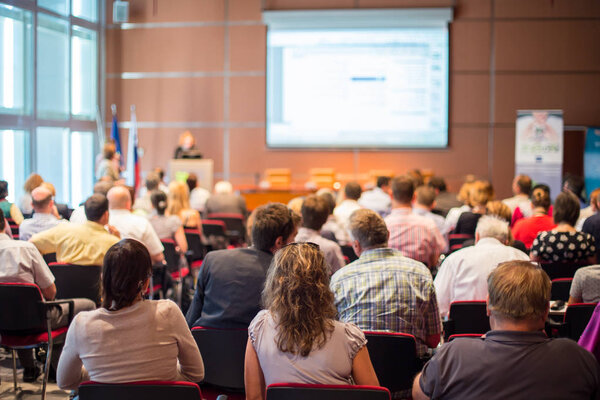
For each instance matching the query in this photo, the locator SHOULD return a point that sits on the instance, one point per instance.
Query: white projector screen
(357, 87)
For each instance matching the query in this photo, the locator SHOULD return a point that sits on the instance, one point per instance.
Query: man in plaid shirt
(383, 290)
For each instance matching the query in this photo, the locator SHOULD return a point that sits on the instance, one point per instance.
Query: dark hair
(383, 181)
(3, 189)
(192, 181)
(160, 172)
(95, 207)
(403, 189)
(271, 221)
(159, 201)
(330, 199)
(575, 184)
(2, 222)
(315, 211)
(152, 181)
(352, 190)
(542, 186)
(102, 187)
(438, 183)
(566, 208)
(540, 198)
(524, 184)
(127, 266)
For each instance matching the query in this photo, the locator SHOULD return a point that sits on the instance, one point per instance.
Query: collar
(304, 231)
(488, 240)
(4, 236)
(377, 253)
(118, 211)
(402, 210)
(420, 211)
(43, 216)
(516, 336)
(94, 225)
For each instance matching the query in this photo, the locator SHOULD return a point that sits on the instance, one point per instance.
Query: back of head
(127, 266)
(417, 177)
(50, 187)
(540, 198)
(95, 207)
(490, 226)
(329, 197)
(33, 181)
(383, 181)
(40, 199)
(158, 198)
(192, 181)
(425, 196)
(499, 209)
(297, 292)
(403, 189)
(109, 150)
(463, 192)
(352, 191)
(271, 221)
(179, 198)
(223, 187)
(119, 198)
(438, 183)
(368, 228)
(480, 193)
(523, 183)
(160, 172)
(594, 199)
(3, 189)
(102, 187)
(518, 290)
(566, 208)
(575, 184)
(315, 211)
(152, 181)
(295, 204)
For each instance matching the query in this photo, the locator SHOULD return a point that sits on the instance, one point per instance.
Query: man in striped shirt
(383, 290)
(415, 236)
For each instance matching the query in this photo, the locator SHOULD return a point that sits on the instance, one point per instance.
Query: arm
(49, 292)
(16, 214)
(45, 241)
(195, 310)
(431, 314)
(70, 372)
(444, 282)
(181, 240)
(432, 340)
(190, 365)
(417, 393)
(254, 380)
(362, 369)
(157, 258)
(573, 300)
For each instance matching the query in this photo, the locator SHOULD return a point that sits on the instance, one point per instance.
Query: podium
(203, 168)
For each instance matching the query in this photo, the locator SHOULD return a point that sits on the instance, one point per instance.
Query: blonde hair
(298, 296)
(463, 193)
(32, 182)
(499, 209)
(50, 187)
(480, 193)
(184, 136)
(178, 198)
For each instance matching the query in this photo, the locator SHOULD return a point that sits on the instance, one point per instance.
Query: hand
(113, 231)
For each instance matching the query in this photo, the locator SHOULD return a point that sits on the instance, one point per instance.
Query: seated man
(43, 218)
(22, 263)
(521, 188)
(463, 274)
(515, 359)
(378, 199)
(383, 290)
(80, 244)
(230, 283)
(315, 211)
(352, 192)
(423, 204)
(586, 285)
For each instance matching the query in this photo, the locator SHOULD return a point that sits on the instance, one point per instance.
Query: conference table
(256, 196)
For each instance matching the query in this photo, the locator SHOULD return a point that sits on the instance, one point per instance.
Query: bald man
(43, 218)
(132, 226)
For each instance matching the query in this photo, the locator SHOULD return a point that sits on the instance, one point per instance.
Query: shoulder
(563, 349)
(353, 337)
(258, 324)
(166, 308)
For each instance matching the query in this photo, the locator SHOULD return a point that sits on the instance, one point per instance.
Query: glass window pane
(85, 9)
(84, 76)
(82, 166)
(52, 159)
(58, 6)
(16, 60)
(53, 68)
(14, 162)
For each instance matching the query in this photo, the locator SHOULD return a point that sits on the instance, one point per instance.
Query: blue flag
(114, 134)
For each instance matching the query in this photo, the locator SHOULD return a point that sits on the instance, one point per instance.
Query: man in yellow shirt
(80, 244)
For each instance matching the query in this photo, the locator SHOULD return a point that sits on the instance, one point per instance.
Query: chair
(196, 249)
(576, 319)
(235, 229)
(173, 259)
(147, 390)
(322, 177)
(394, 358)
(77, 281)
(456, 241)
(348, 251)
(214, 230)
(561, 269)
(302, 391)
(14, 228)
(561, 288)
(49, 258)
(465, 335)
(224, 350)
(278, 178)
(25, 322)
(467, 317)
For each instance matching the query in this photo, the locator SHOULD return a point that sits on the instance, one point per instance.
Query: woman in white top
(129, 339)
(297, 339)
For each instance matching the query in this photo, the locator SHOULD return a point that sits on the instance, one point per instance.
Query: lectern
(203, 168)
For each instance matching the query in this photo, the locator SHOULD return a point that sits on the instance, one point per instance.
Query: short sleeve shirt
(331, 364)
(586, 284)
(22, 262)
(165, 226)
(563, 246)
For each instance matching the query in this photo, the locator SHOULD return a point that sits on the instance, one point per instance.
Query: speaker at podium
(180, 168)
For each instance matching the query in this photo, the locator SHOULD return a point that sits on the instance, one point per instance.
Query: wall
(201, 66)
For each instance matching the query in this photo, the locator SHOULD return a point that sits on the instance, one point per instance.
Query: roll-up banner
(539, 147)
(591, 159)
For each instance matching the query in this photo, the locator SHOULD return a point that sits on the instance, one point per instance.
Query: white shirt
(132, 226)
(584, 214)
(22, 262)
(198, 198)
(78, 216)
(331, 250)
(520, 200)
(377, 200)
(342, 214)
(463, 274)
(454, 215)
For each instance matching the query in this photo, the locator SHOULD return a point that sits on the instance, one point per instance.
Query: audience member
(444, 201)
(587, 212)
(378, 199)
(179, 205)
(78, 214)
(143, 204)
(592, 226)
(564, 243)
(463, 274)
(590, 338)
(129, 339)
(109, 166)
(132, 226)
(479, 194)
(80, 244)
(230, 281)
(521, 188)
(61, 210)
(384, 290)
(416, 237)
(497, 208)
(166, 227)
(576, 185)
(349, 204)
(585, 287)
(198, 195)
(295, 204)
(162, 186)
(315, 211)
(33, 181)
(515, 359)
(44, 217)
(527, 229)
(297, 338)
(424, 203)
(463, 196)
(225, 201)
(331, 229)
(22, 263)
(9, 209)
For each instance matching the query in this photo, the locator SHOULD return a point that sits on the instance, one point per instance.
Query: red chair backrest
(465, 335)
(300, 391)
(146, 390)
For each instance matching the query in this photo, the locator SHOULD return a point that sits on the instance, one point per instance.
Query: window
(83, 73)
(14, 145)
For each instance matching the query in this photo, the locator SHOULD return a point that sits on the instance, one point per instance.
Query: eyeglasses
(311, 244)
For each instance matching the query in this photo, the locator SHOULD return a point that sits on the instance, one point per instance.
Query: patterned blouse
(563, 246)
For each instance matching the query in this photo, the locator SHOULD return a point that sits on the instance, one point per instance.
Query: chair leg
(48, 363)
(14, 357)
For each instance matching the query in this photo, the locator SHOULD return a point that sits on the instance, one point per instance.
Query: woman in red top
(527, 229)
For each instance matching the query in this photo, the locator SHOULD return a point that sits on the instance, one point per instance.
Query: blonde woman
(480, 193)
(297, 339)
(179, 205)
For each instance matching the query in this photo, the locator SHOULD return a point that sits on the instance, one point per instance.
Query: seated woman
(479, 194)
(297, 339)
(527, 229)
(129, 339)
(179, 205)
(9, 209)
(564, 243)
(166, 227)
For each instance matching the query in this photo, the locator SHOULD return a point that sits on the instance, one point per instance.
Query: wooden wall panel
(306, 4)
(472, 9)
(534, 9)
(247, 48)
(172, 11)
(247, 99)
(504, 161)
(469, 98)
(470, 46)
(245, 10)
(403, 3)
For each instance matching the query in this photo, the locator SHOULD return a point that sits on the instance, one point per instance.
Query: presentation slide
(361, 88)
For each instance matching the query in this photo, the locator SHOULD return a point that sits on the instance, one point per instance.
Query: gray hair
(492, 227)
(223, 187)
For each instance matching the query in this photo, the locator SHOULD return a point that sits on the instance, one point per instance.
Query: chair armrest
(70, 302)
(448, 328)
